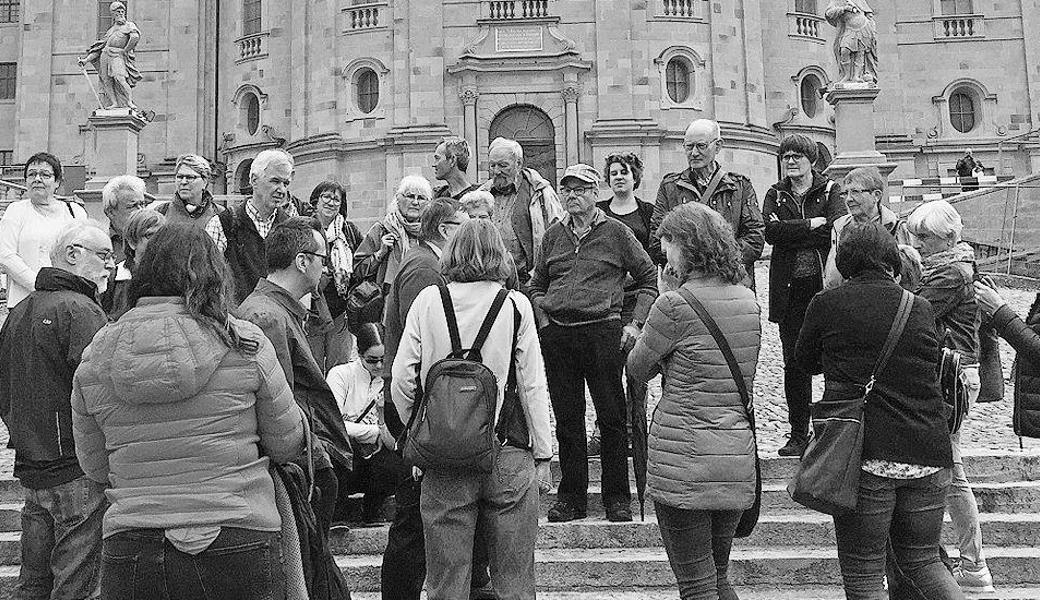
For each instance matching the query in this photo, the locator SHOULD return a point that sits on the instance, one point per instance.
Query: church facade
(362, 91)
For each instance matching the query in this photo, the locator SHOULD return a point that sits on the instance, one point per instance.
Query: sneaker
(796, 444)
(563, 511)
(619, 511)
(974, 582)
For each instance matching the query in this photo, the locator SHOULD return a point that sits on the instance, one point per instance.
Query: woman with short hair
(179, 408)
(478, 204)
(192, 201)
(476, 265)
(140, 228)
(701, 469)
(948, 273)
(903, 485)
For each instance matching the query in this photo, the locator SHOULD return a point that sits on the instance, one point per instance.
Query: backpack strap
(453, 324)
(485, 327)
(713, 185)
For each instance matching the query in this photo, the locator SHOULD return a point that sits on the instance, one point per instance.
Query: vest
(245, 253)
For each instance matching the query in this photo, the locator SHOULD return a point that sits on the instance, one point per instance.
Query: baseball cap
(583, 173)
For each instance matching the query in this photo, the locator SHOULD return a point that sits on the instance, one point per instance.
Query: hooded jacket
(180, 425)
(40, 347)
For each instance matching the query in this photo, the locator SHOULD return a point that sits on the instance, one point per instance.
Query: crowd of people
(194, 394)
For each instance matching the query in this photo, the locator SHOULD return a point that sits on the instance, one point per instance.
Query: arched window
(251, 22)
(534, 130)
(810, 95)
(677, 76)
(963, 108)
(367, 83)
(251, 108)
(242, 177)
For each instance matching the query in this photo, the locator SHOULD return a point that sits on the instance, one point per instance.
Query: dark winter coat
(1024, 337)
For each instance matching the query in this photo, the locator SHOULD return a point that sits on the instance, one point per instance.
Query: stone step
(569, 570)
(744, 592)
(808, 529)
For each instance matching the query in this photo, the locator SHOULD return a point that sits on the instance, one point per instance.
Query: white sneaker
(974, 582)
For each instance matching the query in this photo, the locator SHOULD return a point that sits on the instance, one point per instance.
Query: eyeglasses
(453, 222)
(44, 175)
(372, 360)
(330, 198)
(700, 146)
(187, 177)
(324, 257)
(792, 157)
(848, 192)
(581, 191)
(415, 197)
(104, 255)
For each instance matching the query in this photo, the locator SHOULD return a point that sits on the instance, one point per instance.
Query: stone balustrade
(367, 16)
(806, 26)
(955, 27)
(508, 10)
(252, 47)
(686, 9)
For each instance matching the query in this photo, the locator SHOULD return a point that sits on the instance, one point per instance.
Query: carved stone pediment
(519, 45)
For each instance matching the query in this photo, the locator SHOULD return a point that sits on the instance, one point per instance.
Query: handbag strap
(713, 185)
(906, 303)
(364, 414)
(727, 351)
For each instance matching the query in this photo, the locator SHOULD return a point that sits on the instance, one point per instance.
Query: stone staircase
(791, 554)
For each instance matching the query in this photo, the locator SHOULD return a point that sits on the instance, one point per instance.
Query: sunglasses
(372, 360)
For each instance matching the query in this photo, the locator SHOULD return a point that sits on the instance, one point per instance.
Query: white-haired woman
(191, 203)
(479, 204)
(379, 256)
(948, 266)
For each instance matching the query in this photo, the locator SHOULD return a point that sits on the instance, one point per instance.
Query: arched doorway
(242, 177)
(824, 156)
(534, 130)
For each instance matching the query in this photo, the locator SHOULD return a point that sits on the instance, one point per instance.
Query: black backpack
(453, 425)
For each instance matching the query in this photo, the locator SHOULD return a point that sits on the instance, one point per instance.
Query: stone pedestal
(114, 152)
(854, 131)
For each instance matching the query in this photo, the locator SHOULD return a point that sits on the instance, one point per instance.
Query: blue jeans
(240, 564)
(698, 543)
(61, 541)
(910, 511)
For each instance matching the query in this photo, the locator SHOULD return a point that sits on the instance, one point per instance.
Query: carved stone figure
(855, 46)
(113, 58)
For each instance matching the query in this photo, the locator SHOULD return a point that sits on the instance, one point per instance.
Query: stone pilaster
(571, 94)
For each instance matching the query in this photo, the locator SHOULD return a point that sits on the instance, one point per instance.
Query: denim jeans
(240, 564)
(960, 502)
(574, 357)
(506, 500)
(698, 543)
(910, 511)
(61, 541)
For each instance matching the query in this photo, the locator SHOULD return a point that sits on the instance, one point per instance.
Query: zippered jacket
(1023, 337)
(789, 232)
(41, 344)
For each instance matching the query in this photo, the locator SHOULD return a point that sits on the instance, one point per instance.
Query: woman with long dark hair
(179, 408)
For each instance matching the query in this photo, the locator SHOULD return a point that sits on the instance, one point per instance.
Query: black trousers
(376, 476)
(797, 382)
(574, 357)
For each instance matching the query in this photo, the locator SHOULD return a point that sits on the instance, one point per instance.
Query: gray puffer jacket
(701, 447)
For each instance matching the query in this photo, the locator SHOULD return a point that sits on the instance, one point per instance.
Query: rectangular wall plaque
(518, 39)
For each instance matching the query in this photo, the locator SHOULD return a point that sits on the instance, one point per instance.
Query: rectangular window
(805, 6)
(251, 17)
(6, 158)
(9, 11)
(957, 7)
(104, 19)
(8, 79)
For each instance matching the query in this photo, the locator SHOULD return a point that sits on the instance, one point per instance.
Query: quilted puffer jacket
(1023, 337)
(181, 426)
(701, 448)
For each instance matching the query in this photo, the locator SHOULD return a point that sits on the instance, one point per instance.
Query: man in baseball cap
(578, 307)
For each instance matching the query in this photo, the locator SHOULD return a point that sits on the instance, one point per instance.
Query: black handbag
(749, 518)
(365, 302)
(828, 475)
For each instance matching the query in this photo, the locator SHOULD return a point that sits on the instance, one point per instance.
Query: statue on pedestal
(855, 46)
(113, 58)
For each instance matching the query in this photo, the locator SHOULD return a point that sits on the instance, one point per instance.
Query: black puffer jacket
(1023, 337)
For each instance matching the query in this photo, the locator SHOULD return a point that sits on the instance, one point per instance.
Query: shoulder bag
(749, 519)
(827, 479)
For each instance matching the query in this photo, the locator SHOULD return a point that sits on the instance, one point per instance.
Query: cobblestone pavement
(987, 428)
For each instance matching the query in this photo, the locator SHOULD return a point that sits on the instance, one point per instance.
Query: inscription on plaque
(518, 39)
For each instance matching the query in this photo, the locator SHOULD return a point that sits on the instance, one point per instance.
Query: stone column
(571, 93)
(854, 132)
(469, 97)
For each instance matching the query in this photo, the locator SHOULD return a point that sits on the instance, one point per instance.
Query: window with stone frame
(367, 84)
(957, 7)
(105, 15)
(251, 17)
(6, 158)
(677, 79)
(963, 110)
(809, 91)
(10, 11)
(805, 6)
(252, 112)
(8, 80)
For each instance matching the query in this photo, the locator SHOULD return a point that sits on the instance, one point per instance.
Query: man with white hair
(191, 203)
(240, 232)
(705, 181)
(525, 204)
(41, 344)
(120, 198)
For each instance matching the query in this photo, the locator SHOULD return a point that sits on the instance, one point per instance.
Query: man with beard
(191, 203)
(113, 57)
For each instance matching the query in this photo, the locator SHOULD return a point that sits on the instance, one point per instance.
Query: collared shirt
(216, 230)
(598, 216)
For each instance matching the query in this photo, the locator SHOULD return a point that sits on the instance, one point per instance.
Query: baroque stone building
(361, 91)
